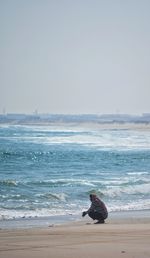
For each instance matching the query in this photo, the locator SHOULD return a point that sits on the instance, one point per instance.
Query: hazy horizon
(74, 114)
(75, 57)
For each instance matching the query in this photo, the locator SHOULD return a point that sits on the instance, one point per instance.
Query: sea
(50, 170)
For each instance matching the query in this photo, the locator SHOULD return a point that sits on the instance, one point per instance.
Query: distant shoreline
(90, 125)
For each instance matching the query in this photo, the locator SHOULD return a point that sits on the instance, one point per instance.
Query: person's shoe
(100, 222)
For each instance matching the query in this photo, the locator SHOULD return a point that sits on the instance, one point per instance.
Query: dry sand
(123, 239)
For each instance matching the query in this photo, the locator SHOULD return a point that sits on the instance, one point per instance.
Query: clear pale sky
(75, 56)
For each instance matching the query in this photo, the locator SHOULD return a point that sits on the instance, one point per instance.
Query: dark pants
(96, 215)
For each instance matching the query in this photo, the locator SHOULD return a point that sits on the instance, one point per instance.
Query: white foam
(9, 182)
(126, 139)
(138, 173)
(130, 190)
(136, 205)
(44, 212)
(102, 140)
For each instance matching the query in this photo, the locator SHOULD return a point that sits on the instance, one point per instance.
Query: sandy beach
(116, 238)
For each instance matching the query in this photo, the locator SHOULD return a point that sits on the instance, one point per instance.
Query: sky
(75, 56)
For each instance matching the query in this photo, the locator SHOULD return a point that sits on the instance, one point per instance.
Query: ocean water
(51, 170)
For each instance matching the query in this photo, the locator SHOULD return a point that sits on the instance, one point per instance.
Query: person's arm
(88, 211)
(91, 208)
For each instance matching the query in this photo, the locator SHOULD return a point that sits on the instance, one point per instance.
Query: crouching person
(97, 210)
